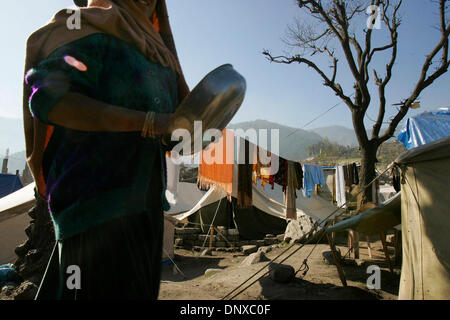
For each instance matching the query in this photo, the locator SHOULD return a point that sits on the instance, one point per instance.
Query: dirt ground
(321, 281)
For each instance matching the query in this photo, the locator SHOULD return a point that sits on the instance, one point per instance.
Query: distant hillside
(342, 135)
(346, 136)
(293, 141)
(11, 136)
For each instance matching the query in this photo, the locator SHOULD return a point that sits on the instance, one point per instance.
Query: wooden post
(386, 252)
(336, 261)
(398, 247)
(211, 237)
(353, 243)
(356, 244)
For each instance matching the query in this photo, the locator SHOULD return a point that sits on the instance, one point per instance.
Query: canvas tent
(425, 221)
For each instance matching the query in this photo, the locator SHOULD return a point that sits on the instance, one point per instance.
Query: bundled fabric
(217, 162)
(312, 175)
(245, 170)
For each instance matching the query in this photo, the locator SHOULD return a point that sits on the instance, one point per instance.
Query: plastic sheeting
(374, 221)
(8, 184)
(425, 128)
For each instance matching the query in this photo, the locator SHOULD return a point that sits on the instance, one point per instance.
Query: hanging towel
(312, 175)
(172, 176)
(355, 174)
(281, 177)
(299, 175)
(340, 186)
(292, 185)
(245, 170)
(216, 164)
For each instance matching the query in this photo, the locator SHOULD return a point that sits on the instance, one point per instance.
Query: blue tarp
(425, 128)
(7, 274)
(9, 183)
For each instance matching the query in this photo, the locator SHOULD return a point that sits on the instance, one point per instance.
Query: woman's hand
(162, 121)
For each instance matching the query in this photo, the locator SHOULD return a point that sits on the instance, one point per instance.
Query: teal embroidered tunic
(93, 177)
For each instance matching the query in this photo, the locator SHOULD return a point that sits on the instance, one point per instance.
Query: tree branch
(425, 80)
(327, 81)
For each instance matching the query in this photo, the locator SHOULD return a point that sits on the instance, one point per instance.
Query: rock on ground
(210, 272)
(26, 291)
(327, 256)
(281, 272)
(296, 229)
(249, 249)
(254, 258)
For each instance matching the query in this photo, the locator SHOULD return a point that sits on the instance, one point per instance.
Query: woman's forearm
(78, 112)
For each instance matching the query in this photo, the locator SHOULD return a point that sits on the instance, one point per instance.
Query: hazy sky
(209, 33)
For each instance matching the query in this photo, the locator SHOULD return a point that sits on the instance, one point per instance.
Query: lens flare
(75, 63)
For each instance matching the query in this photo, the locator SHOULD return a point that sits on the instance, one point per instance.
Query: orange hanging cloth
(217, 163)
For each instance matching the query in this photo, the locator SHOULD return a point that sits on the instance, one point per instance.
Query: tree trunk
(367, 173)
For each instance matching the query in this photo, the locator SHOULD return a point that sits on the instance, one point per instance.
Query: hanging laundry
(312, 175)
(396, 178)
(355, 174)
(292, 185)
(245, 170)
(340, 186)
(299, 175)
(351, 174)
(172, 176)
(281, 177)
(217, 163)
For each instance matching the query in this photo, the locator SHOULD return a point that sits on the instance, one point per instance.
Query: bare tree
(334, 26)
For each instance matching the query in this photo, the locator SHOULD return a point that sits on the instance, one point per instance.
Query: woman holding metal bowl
(96, 100)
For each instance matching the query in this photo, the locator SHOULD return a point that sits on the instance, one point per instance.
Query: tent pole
(211, 237)
(386, 252)
(336, 261)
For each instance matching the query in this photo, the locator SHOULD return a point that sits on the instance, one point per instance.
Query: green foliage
(331, 153)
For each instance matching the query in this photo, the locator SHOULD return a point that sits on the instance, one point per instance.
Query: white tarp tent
(14, 220)
(271, 202)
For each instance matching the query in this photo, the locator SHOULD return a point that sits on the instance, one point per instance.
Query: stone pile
(222, 240)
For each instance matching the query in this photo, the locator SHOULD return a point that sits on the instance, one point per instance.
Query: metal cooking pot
(214, 101)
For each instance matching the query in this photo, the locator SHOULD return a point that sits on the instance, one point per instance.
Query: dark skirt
(120, 259)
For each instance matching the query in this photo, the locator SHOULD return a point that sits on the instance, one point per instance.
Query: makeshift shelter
(9, 183)
(266, 216)
(425, 221)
